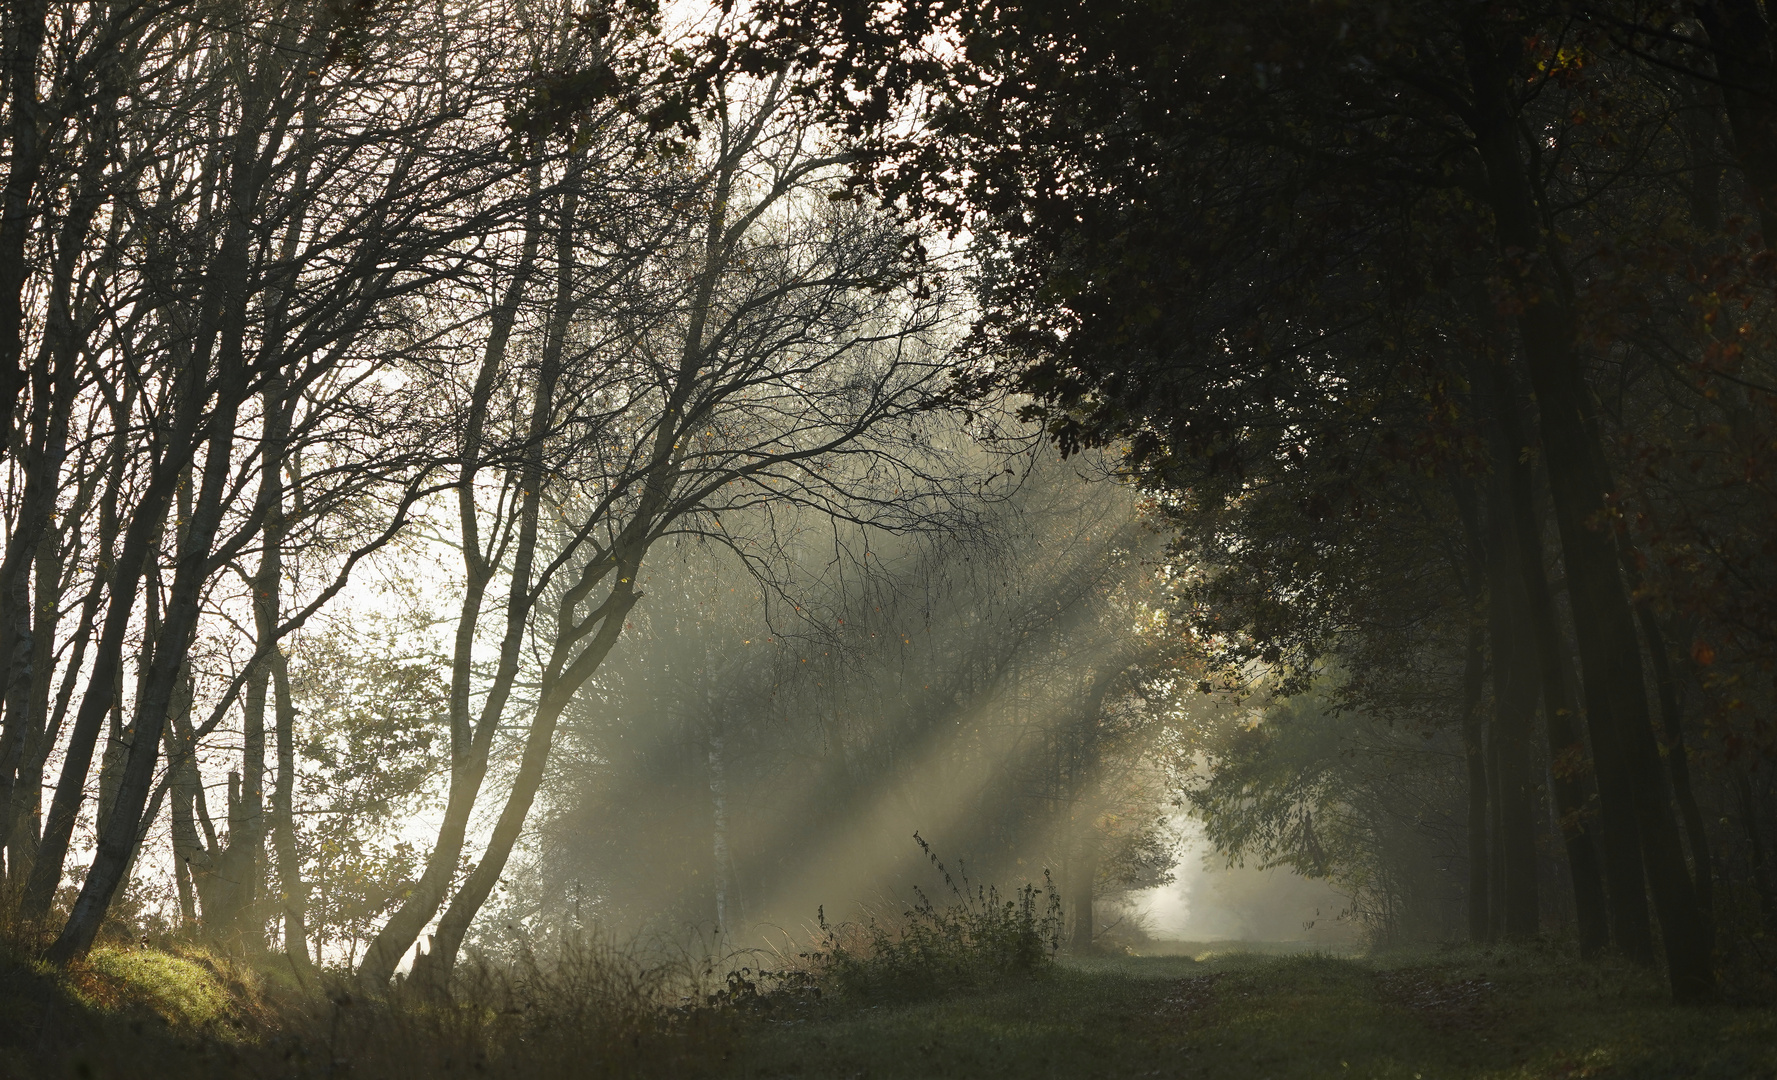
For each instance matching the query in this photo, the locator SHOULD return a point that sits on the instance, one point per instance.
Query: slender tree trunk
(139, 542)
(18, 790)
(106, 559)
(718, 767)
(240, 867)
(117, 844)
(1475, 758)
(1514, 703)
(1677, 755)
(293, 892)
(471, 737)
(192, 855)
(434, 970)
(26, 150)
(1085, 879)
(28, 609)
(1764, 879)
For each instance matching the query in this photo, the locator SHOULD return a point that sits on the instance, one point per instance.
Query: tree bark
(1740, 37)
(293, 891)
(28, 610)
(1514, 703)
(25, 157)
(432, 969)
(100, 697)
(1677, 755)
(1567, 752)
(1085, 875)
(1480, 926)
(718, 770)
(240, 867)
(117, 844)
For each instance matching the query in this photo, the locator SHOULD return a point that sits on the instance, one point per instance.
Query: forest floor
(1409, 1015)
(1428, 1014)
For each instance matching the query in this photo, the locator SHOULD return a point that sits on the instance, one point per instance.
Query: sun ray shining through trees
(592, 536)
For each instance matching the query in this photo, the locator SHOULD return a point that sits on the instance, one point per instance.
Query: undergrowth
(977, 936)
(590, 1009)
(153, 1006)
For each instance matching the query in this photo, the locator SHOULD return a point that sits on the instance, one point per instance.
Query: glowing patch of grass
(183, 992)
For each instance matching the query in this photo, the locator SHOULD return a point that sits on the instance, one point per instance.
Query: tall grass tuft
(976, 937)
(589, 1009)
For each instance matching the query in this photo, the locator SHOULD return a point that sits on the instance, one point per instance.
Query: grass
(184, 992)
(976, 937)
(1463, 1012)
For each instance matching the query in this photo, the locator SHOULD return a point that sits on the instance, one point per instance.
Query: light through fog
(557, 521)
(1210, 904)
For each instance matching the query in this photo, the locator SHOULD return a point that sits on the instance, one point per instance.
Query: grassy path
(1411, 1016)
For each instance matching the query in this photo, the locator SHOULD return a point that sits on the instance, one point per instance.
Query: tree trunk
(31, 770)
(1514, 703)
(1675, 752)
(1764, 880)
(1475, 757)
(29, 609)
(719, 824)
(293, 892)
(1085, 881)
(117, 844)
(25, 155)
(140, 542)
(1567, 753)
(1610, 653)
(471, 736)
(1740, 36)
(240, 867)
(190, 852)
(433, 968)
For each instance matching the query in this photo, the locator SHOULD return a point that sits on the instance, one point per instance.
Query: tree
(220, 356)
(770, 351)
(984, 692)
(1212, 227)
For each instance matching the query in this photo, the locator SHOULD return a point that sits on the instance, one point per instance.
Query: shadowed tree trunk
(117, 843)
(471, 733)
(1475, 761)
(1628, 765)
(293, 891)
(1740, 36)
(1673, 749)
(432, 969)
(1514, 708)
(1567, 753)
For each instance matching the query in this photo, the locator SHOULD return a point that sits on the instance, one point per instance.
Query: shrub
(977, 937)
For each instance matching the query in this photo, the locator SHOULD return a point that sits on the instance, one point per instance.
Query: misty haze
(796, 538)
